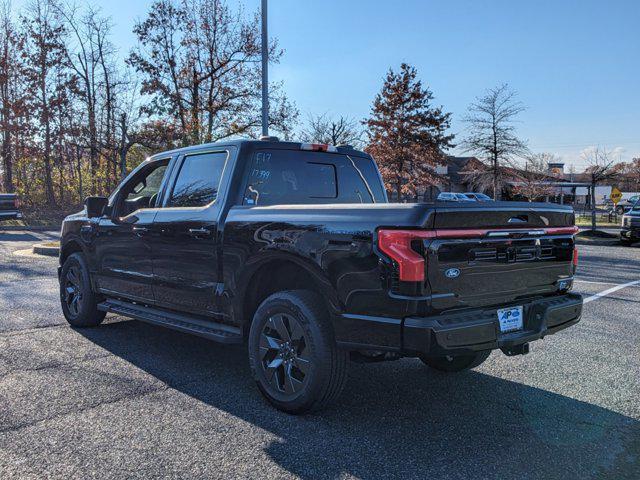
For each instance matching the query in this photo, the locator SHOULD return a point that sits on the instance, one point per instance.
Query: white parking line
(611, 290)
(594, 282)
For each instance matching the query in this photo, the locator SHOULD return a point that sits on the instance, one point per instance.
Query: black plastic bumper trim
(476, 330)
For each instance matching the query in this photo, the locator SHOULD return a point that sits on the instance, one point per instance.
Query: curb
(614, 242)
(49, 251)
(18, 228)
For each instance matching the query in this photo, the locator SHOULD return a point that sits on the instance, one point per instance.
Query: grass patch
(604, 223)
(40, 217)
(50, 244)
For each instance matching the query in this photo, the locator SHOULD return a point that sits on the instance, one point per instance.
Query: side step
(176, 321)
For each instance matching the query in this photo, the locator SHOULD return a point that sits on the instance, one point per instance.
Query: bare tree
(601, 168)
(629, 175)
(535, 183)
(72, 119)
(11, 98)
(46, 74)
(335, 131)
(491, 133)
(199, 62)
(86, 55)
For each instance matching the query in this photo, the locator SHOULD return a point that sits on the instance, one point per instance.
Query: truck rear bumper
(628, 233)
(458, 333)
(472, 331)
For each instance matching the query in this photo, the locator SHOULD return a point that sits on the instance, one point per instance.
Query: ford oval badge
(452, 273)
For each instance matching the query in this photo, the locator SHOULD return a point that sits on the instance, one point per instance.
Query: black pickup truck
(294, 249)
(9, 207)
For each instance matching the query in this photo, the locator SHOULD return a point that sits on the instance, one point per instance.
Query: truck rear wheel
(79, 302)
(459, 363)
(293, 353)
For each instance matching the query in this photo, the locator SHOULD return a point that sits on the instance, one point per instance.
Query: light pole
(265, 72)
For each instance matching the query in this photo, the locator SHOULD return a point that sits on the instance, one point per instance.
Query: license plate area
(511, 319)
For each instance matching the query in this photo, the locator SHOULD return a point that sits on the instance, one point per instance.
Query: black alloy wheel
(73, 290)
(284, 353)
(79, 302)
(294, 358)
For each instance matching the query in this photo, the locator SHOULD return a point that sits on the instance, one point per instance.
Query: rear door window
(198, 180)
(281, 177)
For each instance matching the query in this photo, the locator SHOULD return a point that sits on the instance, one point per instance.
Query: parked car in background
(623, 205)
(9, 207)
(454, 197)
(294, 249)
(630, 231)
(478, 197)
(626, 204)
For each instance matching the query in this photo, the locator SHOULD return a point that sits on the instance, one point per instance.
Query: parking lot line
(611, 290)
(595, 282)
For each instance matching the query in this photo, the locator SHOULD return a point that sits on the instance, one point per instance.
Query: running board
(176, 321)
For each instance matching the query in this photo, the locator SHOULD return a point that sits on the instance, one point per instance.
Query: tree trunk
(93, 148)
(7, 163)
(496, 196)
(46, 120)
(80, 186)
(593, 204)
(195, 108)
(124, 146)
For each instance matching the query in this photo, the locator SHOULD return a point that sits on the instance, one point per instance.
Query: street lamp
(265, 72)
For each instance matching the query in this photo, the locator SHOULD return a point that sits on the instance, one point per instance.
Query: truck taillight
(396, 244)
(318, 147)
(575, 258)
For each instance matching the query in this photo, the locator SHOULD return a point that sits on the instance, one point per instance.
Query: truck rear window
(286, 177)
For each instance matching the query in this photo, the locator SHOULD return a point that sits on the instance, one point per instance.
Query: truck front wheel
(79, 302)
(293, 353)
(459, 363)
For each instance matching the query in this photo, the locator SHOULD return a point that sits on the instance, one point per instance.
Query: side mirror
(96, 206)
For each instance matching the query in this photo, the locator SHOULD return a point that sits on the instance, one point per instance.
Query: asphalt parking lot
(129, 400)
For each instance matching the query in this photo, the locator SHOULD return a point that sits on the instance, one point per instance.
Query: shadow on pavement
(18, 237)
(398, 419)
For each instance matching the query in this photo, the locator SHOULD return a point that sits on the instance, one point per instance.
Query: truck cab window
(142, 190)
(198, 180)
(281, 177)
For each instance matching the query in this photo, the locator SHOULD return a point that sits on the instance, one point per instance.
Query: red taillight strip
(396, 244)
(575, 257)
(462, 233)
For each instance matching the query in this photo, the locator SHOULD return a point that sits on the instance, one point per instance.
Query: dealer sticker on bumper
(510, 319)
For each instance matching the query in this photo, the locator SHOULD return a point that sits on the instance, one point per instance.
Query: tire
(79, 302)
(456, 364)
(625, 242)
(293, 354)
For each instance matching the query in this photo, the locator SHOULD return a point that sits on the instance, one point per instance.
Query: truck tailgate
(521, 251)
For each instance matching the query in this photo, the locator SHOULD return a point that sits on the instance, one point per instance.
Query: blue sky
(575, 64)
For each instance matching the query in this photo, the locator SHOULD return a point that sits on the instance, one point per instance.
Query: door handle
(199, 232)
(140, 230)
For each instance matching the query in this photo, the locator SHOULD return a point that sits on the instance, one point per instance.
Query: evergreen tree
(407, 134)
